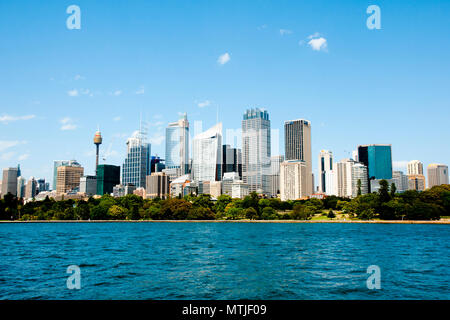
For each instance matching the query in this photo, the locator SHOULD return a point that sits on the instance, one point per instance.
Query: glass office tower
(137, 164)
(108, 176)
(378, 160)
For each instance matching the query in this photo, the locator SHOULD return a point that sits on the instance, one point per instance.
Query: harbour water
(224, 260)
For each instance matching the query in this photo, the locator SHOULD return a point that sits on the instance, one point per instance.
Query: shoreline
(446, 221)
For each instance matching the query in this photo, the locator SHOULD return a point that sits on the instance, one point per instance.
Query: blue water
(224, 260)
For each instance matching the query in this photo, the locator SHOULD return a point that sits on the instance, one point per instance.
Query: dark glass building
(231, 160)
(108, 176)
(378, 160)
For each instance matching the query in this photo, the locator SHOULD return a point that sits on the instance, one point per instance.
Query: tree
(383, 192)
(268, 213)
(222, 202)
(117, 212)
(251, 213)
(331, 214)
(393, 190)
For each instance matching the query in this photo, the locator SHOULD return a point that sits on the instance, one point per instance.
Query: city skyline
(65, 83)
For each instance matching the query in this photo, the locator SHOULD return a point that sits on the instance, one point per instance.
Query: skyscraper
(359, 176)
(59, 163)
(325, 165)
(415, 167)
(136, 166)
(21, 184)
(108, 176)
(9, 182)
(378, 160)
(177, 145)
(294, 179)
(231, 160)
(256, 150)
(275, 165)
(30, 189)
(343, 178)
(68, 178)
(297, 139)
(207, 155)
(437, 174)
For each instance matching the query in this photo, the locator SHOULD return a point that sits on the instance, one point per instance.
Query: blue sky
(160, 58)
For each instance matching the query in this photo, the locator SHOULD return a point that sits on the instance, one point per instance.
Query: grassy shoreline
(444, 221)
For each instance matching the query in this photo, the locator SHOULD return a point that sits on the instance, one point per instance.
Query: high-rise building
(21, 184)
(378, 160)
(359, 176)
(231, 160)
(108, 176)
(88, 185)
(416, 182)
(437, 174)
(136, 166)
(343, 178)
(68, 178)
(30, 189)
(157, 185)
(414, 167)
(42, 186)
(207, 155)
(256, 150)
(9, 182)
(294, 180)
(274, 178)
(177, 145)
(325, 165)
(59, 163)
(400, 181)
(297, 139)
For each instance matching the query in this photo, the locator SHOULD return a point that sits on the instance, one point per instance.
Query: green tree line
(386, 204)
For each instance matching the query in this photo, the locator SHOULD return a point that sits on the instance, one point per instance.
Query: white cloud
(224, 58)
(79, 77)
(141, 90)
(116, 119)
(7, 155)
(67, 124)
(318, 44)
(117, 93)
(203, 104)
(7, 118)
(285, 31)
(73, 93)
(23, 157)
(4, 144)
